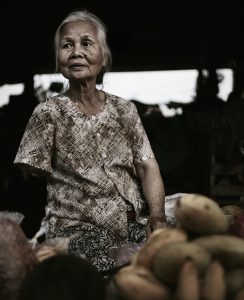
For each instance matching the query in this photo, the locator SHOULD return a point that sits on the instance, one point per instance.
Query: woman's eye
(67, 45)
(86, 43)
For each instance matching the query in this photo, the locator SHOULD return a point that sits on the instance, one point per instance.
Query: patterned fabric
(89, 164)
(94, 243)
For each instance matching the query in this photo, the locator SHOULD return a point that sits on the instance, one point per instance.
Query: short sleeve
(142, 149)
(35, 151)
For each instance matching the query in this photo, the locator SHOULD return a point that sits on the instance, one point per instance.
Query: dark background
(143, 35)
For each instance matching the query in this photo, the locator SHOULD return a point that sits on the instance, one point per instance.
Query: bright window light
(8, 90)
(158, 87)
(226, 85)
(153, 87)
(149, 87)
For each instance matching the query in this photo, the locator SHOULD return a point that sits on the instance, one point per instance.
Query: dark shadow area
(170, 141)
(19, 191)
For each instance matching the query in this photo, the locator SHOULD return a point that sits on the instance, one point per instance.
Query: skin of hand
(153, 189)
(155, 223)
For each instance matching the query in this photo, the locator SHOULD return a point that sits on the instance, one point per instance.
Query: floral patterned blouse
(89, 162)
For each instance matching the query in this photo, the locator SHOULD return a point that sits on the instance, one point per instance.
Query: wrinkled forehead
(79, 28)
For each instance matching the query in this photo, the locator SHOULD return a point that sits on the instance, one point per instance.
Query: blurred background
(181, 64)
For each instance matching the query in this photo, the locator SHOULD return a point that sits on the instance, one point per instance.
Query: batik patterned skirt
(94, 243)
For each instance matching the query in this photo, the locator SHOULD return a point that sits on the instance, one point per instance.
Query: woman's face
(79, 55)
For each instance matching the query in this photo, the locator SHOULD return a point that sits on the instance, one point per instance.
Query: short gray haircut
(88, 17)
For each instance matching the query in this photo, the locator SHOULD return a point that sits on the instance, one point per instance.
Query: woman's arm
(153, 189)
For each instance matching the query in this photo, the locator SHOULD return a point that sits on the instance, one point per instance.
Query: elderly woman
(104, 187)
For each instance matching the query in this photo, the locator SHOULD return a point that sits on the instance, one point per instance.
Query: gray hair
(88, 17)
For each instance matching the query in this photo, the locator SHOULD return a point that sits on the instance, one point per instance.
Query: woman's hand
(155, 222)
(153, 190)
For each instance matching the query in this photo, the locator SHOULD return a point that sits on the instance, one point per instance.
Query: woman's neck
(89, 102)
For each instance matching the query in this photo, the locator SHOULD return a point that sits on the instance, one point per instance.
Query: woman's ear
(100, 75)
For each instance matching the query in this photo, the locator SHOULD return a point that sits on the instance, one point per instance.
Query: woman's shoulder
(52, 100)
(49, 104)
(119, 101)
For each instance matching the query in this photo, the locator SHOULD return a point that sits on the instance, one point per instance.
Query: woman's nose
(78, 51)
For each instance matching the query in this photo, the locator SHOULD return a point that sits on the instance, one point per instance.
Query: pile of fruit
(202, 257)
